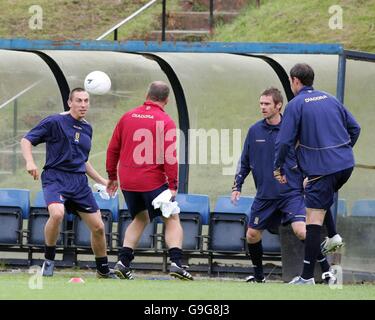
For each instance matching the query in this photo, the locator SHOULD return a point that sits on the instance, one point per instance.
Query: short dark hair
(158, 91)
(304, 73)
(274, 93)
(71, 94)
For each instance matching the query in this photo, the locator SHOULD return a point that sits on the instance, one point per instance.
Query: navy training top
(323, 130)
(68, 142)
(258, 156)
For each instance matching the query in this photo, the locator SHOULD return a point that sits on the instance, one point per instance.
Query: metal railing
(140, 10)
(115, 28)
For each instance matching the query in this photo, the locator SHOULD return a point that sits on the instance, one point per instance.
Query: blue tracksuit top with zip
(323, 130)
(258, 156)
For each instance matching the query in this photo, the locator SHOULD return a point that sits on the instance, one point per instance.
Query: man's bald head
(158, 91)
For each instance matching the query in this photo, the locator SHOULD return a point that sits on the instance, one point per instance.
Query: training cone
(76, 280)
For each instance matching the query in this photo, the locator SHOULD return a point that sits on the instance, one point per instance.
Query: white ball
(97, 82)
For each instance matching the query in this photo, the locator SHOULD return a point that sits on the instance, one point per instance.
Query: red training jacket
(143, 148)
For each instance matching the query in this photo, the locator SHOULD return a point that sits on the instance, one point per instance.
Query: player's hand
(174, 194)
(32, 169)
(235, 197)
(112, 187)
(279, 176)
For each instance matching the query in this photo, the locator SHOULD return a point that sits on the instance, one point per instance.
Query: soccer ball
(97, 82)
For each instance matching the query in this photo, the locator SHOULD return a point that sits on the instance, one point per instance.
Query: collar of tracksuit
(149, 103)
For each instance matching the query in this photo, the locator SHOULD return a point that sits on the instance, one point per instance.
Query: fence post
(211, 16)
(163, 22)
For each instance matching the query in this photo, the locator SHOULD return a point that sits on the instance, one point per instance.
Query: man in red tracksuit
(143, 150)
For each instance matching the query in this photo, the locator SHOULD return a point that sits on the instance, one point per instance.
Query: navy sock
(175, 255)
(126, 255)
(50, 252)
(102, 264)
(330, 224)
(312, 249)
(324, 265)
(256, 256)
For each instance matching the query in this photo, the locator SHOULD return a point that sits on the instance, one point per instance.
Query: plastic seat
(228, 225)
(109, 211)
(14, 207)
(194, 213)
(364, 208)
(37, 220)
(148, 238)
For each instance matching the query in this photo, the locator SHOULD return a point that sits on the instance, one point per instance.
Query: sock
(175, 255)
(256, 256)
(102, 264)
(312, 249)
(330, 224)
(324, 265)
(126, 255)
(50, 252)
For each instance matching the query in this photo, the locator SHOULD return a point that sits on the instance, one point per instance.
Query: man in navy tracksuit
(323, 133)
(274, 203)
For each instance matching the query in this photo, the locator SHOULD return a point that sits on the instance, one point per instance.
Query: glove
(102, 189)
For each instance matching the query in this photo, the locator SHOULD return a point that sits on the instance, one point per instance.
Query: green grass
(66, 19)
(304, 21)
(16, 286)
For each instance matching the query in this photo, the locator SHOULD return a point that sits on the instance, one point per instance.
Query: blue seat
(364, 208)
(228, 225)
(39, 200)
(342, 208)
(271, 243)
(109, 211)
(148, 238)
(16, 198)
(195, 203)
(243, 205)
(195, 209)
(14, 206)
(112, 205)
(37, 220)
(232, 236)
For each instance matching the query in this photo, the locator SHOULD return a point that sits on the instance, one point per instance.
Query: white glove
(102, 189)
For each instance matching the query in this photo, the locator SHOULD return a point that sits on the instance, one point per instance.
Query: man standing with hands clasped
(323, 132)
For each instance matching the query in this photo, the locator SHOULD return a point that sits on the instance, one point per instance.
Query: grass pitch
(161, 287)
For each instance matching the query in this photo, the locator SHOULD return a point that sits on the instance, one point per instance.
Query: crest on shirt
(76, 137)
(256, 220)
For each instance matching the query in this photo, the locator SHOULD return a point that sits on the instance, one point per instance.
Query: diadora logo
(77, 127)
(260, 140)
(316, 98)
(142, 116)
